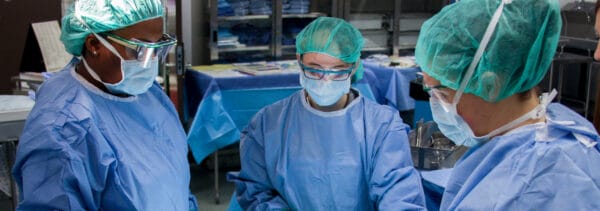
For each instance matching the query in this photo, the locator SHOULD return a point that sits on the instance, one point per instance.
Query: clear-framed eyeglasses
(332, 74)
(144, 51)
(436, 92)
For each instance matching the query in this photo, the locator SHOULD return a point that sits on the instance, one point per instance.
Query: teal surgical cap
(103, 15)
(334, 37)
(517, 56)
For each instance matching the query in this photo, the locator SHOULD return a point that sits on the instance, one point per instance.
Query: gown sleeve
(254, 190)
(395, 184)
(49, 173)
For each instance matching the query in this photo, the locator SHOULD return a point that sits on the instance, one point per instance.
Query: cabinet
(250, 30)
(210, 36)
(389, 26)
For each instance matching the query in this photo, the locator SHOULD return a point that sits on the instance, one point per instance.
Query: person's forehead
(148, 31)
(321, 59)
(428, 80)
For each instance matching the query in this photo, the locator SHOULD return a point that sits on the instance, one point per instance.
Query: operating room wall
(15, 18)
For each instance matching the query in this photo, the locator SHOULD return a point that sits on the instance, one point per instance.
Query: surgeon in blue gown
(326, 147)
(102, 134)
(482, 60)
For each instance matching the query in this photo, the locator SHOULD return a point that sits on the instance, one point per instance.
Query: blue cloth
(224, 9)
(260, 7)
(358, 158)
(391, 85)
(434, 183)
(251, 35)
(239, 7)
(83, 149)
(221, 107)
(535, 167)
(223, 113)
(291, 28)
(296, 7)
(296, 10)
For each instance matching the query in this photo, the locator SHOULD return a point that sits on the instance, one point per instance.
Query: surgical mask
(135, 79)
(325, 92)
(136, 76)
(456, 128)
(446, 116)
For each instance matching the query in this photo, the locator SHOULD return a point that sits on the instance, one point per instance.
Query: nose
(326, 78)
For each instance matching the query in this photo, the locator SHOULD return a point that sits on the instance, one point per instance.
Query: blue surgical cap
(517, 56)
(334, 37)
(104, 15)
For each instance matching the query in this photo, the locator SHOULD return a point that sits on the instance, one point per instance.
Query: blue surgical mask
(456, 128)
(136, 76)
(453, 125)
(325, 92)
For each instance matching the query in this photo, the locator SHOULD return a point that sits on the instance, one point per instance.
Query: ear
(91, 45)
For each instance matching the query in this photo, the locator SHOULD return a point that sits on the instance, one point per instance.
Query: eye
(440, 94)
(313, 73)
(131, 53)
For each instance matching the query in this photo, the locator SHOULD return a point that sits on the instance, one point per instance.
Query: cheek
(113, 69)
(465, 111)
(469, 110)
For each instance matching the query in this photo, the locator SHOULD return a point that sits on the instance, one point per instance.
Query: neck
(490, 116)
(83, 72)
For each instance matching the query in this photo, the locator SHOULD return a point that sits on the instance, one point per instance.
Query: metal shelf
(265, 17)
(241, 49)
(376, 49)
(404, 47)
(374, 30)
(243, 18)
(307, 15)
(286, 47)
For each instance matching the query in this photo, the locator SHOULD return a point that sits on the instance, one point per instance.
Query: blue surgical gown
(358, 158)
(83, 149)
(545, 166)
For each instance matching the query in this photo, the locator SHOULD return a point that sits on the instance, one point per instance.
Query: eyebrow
(141, 39)
(146, 40)
(313, 64)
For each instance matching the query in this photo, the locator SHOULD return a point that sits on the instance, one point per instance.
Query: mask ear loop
(536, 113)
(483, 45)
(102, 40)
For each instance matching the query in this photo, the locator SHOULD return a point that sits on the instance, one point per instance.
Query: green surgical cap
(104, 15)
(518, 54)
(334, 37)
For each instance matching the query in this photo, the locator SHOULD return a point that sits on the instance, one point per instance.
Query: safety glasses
(332, 74)
(437, 92)
(144, 51)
